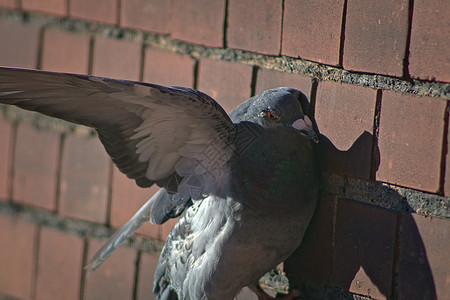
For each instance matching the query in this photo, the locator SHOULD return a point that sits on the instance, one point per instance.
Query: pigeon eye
(272, 116)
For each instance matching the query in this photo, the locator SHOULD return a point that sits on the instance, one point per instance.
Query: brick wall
(378, 78)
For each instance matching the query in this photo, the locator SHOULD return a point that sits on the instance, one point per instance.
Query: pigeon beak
(304, 125)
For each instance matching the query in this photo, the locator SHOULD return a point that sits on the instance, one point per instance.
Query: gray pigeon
(245, 185)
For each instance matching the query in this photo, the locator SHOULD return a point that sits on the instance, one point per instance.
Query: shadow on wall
(358, 247)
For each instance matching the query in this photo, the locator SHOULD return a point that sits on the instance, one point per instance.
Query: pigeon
(244, 185)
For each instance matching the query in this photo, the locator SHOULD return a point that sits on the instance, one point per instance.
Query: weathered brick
(116, 59)
(430, 40)
(227, 82)
(253, 27)
(36, 167)
(84, 179)
(410, 140)
(312, 30)
(65, 52)
(345, 115)
(104, 11)
(127, 198)
(364, 249)
(5, 157)
(146, 275)
(54, 7)
(60, 265)
(375, 36)
(268, 79)
(424, 263)
(199, 21)
(17, 257)
(149, 15)
(114, 279)
(10, 4)
(20, 44)
(168, 68)
(316, 246)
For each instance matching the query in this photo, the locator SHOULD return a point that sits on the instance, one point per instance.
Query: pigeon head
(281, 107)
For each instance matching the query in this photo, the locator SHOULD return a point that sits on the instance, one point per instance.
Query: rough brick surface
(11, 4)
(168, 68)
(116, 59)
(424, 262)
(253, 27)
(312, 30)
(54, 7)
(153, 15)
(127, 198)
(316, 246)
(59, 265)
(84, 179)
(5, 157)
(410, 140)
(146, 275)
(345, 115)
(104, 11)
(20, 44)
(114, 279)
(65, 52)
(364, 249)
(228, 83)
(268, 79)
(375, 36)
(36, 167)
(199, 21)
(17, 257)
(430, 38)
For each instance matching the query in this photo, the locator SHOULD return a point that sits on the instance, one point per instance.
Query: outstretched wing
(178, 138)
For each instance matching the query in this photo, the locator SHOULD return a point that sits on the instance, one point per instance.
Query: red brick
(20, 44)
(36, 167)
(5, 157)
(59, 266)
(84, 179)
(116, 58)
(268, 79)
(430, 40)
(168, 68)
(343, 114)
(364, 249)
(149, 15)
(17, 257)
(104, 11)
(199, 21)
(316, 246)
(312, 30)
(253, 27)
(115, 278)
(424, 263)
(11, 4)
(147, 268)
(167, 227)
(127, 198)
(65, 52)
(375, 36)
(227, 82)
(54, 7)
(410, 140)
